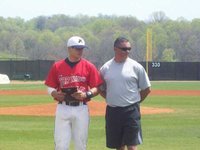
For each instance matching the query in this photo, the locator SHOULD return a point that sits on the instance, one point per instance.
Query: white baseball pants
(71, 122)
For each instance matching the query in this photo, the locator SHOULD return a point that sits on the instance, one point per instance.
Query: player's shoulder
(134, 63)
(59, 63)
(108, 63)
(87, 63)
(83, 60)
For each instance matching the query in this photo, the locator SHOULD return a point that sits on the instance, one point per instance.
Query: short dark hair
(120, 40)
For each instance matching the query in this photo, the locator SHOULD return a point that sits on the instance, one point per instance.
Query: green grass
(172, 85)
(22, 86)
(185, 102)
(28, 133)
(24, 100)
(172, 131)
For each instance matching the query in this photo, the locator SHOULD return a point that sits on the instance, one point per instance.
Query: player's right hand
(58, 95)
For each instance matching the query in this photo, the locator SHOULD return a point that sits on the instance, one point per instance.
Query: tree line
(45, 37)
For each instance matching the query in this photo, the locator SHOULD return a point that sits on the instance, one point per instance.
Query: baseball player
(72, 82)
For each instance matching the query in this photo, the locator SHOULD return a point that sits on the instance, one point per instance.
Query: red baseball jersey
(83, 75)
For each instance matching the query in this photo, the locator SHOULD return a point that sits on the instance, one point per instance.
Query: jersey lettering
(70, 79)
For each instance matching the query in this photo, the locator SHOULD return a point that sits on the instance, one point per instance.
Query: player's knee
(80, 146)
(61, 147)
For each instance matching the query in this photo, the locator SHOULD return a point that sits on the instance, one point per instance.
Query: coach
(126, 85)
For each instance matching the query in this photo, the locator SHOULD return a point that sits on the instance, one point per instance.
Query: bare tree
(158, 17)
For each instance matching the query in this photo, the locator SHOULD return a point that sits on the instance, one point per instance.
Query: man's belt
(73, 103)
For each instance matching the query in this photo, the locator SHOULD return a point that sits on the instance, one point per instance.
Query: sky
(141, 9)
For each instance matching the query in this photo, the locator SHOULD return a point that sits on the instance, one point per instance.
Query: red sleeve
(94, 77)
(52, 80)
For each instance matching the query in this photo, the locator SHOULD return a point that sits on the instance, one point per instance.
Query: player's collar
(71, 64)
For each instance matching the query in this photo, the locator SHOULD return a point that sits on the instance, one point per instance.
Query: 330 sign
(156, 65)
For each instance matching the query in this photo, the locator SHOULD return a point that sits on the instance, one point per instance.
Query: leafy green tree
(40, 22)
(17, 47)
(161, 39)
(168, 55)
(45, 37)
(48, 45)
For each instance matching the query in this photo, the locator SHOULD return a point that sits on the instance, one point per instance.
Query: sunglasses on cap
(77, 47)
(124, 48)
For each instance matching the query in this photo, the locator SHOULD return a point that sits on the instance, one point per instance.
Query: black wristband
(89, 94)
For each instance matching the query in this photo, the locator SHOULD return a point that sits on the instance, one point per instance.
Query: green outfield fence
(25, 69)
(38, 69)
(173, 70)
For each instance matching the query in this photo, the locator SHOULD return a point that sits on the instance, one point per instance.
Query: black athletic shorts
(123, 126)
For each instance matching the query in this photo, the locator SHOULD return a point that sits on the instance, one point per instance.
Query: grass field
(173, 131)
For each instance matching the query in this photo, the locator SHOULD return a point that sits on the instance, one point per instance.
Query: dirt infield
(176, 92)
(96, 108)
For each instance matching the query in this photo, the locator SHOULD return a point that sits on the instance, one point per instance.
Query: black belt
(73, 103)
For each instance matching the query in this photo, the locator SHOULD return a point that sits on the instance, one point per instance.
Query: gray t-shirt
(124, 82)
